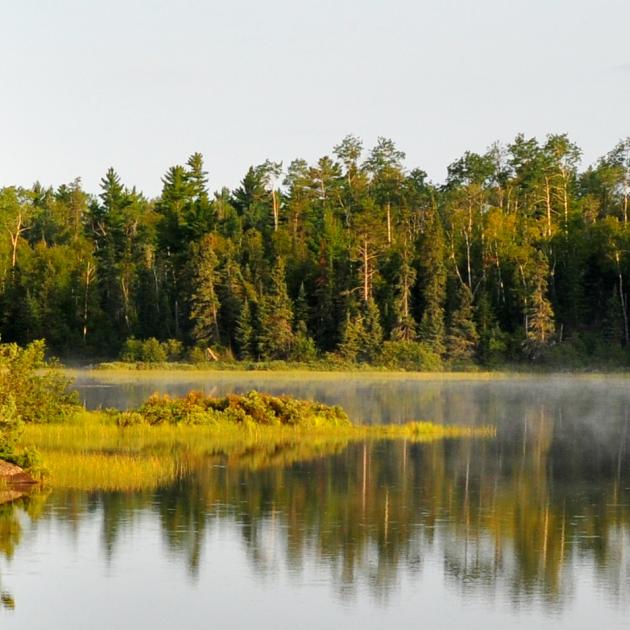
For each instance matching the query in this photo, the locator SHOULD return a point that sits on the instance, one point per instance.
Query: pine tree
(245, 333)
(303, 345)
(462, 338)
(540, 316)
(405, 328)
(301, 309)
(541, 324)
(373, 331)
(363, 335)
(276, 337)
(204, 311)
(613, 319)
(353, 333)
(433, 274)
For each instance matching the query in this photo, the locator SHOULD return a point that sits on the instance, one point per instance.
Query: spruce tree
(540, 316)
(245, 333)
(276, 337)
(362, 337)
(405, 328)
(433, 275)
(301, 309)
(204, 311)
(462, 339)
(613, 319)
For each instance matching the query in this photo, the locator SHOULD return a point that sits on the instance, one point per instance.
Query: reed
(109, 472)
(167, 437)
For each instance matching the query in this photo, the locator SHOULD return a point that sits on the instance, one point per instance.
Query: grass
(109, 472)
(340, 367)
(168, 437)
(119, 373)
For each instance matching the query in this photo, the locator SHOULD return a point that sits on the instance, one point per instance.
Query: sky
(141, 84)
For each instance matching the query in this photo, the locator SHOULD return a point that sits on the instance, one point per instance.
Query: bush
(151, 350)
(38, 396)
(197, 355)
(174, 350)
(303, 348)
(253, 408)
(409, 355)
(28, 395)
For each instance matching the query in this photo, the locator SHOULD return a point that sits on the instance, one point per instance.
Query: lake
(530, 529)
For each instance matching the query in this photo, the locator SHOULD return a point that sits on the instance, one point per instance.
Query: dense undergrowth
(579, 353)
(252, 408)
(30, 395)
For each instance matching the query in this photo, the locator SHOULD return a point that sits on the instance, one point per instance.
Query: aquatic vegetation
(168, 436)
(109, 471)
(252, 408)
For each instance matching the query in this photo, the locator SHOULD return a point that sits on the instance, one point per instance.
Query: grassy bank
(319, 367)
(167, 437)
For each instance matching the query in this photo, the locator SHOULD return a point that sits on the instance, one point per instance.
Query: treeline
(519, 255)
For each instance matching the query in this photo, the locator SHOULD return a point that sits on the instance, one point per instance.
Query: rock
(14, 475)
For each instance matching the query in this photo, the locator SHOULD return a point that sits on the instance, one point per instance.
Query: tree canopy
(519, 255)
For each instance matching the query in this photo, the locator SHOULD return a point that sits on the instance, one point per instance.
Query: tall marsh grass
(168, 437)
(109, 472)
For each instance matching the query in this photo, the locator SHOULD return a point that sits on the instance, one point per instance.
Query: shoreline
(183, 371)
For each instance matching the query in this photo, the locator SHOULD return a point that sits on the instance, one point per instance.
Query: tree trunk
(366, 271)
(276, 217)
(89, 272)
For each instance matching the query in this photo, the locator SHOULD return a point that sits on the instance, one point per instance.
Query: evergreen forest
(522, 255)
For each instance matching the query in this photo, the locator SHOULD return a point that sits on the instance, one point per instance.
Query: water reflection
(522, 515)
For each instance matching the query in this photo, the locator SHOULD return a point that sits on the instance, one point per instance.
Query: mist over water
(531, 529)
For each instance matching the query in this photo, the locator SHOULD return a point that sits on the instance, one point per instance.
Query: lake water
(528, 530)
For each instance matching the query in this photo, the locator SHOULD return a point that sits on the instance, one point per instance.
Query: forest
(520, 256)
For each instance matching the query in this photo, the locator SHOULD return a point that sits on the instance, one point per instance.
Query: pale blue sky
(142, 84)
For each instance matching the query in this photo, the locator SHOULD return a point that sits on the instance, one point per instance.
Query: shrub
(197, 355)
(409, 355)
(131, 350)
(303, 348)
(253, 408)
(28, 395)
(39, 396)
(151, 350)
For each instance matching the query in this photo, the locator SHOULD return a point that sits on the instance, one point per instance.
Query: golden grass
(91, 452)
(109, 472)
(120, 373)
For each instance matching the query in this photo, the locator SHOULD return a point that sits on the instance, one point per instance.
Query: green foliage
(275, 317)
(37, 394)
(303, 348)
(409, 355)
(151, 350)
(29, 394)
(252, 408)
(541, 247)
(205, 302)
(431, 328)
(462, 339)
(363, 335)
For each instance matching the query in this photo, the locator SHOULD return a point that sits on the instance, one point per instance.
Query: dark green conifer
(204, 312)
(462, 339)
(275, 339)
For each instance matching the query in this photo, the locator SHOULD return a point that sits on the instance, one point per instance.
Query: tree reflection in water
(518, 515)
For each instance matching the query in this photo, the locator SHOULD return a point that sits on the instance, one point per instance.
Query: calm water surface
(530, 530)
